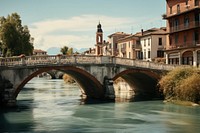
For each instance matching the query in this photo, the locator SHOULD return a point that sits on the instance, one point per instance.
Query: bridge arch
(142, 81)
(89, 85)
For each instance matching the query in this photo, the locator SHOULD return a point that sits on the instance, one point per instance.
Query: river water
(46, 105)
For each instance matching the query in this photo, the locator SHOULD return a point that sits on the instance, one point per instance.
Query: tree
(70, 51)
(15, 39)
(64, 50)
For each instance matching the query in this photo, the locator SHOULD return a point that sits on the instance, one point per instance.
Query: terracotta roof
(119, 34)
(130, 37)
(155, 31)
(39, 51)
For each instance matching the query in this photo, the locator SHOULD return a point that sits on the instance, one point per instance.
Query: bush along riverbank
(181, 86)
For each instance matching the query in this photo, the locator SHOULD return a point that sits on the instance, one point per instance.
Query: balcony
(186, 26)
(182, 10)
(136, 46)
(123, 50)
(189, 44)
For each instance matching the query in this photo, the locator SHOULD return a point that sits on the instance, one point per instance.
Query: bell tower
(99, 40)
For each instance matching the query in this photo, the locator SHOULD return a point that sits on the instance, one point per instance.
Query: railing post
(75, 59)
(101, 59)
(113, 60)
(59, 58)
(23, 62)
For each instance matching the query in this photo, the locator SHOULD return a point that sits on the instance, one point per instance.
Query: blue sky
(56, 23)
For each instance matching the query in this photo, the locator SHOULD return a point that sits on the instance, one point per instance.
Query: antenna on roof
(131, 29)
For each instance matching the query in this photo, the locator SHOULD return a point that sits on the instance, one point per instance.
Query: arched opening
(89, 85)
(187, 58)
(142, 84)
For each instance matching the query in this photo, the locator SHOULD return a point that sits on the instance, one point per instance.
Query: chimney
(142, 32)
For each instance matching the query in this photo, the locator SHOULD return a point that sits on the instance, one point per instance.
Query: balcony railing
(176, 11)
(136, 46)
(187, 44)
(186, 26)
(123, 50)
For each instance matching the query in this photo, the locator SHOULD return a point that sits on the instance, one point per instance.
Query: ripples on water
(52, 106)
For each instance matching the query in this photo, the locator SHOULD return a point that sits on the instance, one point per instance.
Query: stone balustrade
(80, 59)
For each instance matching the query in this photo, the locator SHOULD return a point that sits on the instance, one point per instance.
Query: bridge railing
(10, 61)
(144, 64)
(39, 60)
(55, 59)
(80, 59)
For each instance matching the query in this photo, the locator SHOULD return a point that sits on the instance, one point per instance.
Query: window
(197, 18)
(124, 45)
(196, 3)
(149, 41)
(176, 39)
(115, 46)
(196, 37)
(144, 54)
(149, 53)
(141, 55)
(178, 9)
(99, 39)
(186, 2)
(186, 21)
(110, 46)
(160, 53)
(144, 42)
(170, 40)
(170, 8)
(160, 41)
(185, 39)
(176, 24)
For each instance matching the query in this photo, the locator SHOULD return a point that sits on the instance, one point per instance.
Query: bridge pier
(6, 93)
(10, 102)
(109, 88)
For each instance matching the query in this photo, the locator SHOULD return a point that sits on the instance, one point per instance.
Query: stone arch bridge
(94, 74)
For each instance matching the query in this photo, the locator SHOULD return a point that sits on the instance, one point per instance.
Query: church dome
(99, 28)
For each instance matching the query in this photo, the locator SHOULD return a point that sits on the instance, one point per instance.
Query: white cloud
(78, 32)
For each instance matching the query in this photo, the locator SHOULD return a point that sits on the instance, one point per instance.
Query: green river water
(46, 105)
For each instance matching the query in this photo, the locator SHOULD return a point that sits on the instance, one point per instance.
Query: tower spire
(99, 39)
(99, 27)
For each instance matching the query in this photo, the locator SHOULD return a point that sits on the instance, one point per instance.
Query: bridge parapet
(81, 59)
(144, 64)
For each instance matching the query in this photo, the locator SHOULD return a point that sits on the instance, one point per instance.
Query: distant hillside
(80, 50)
(53, 51)
(56, 50)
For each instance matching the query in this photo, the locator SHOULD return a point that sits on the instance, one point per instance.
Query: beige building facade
(153, 43)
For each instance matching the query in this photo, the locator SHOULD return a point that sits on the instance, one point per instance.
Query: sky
(73, 23)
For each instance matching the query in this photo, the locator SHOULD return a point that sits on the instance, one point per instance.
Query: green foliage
(70, 51)
(15, 39)
(66, 51)
(181, 84)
